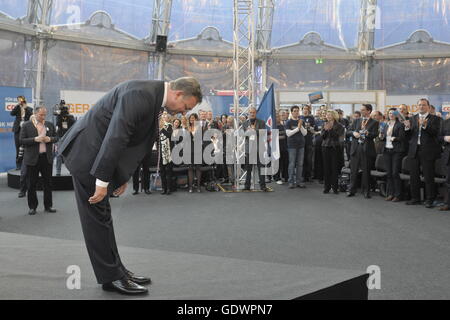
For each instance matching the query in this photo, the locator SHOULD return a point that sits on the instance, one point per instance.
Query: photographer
(22, 113)
(64, 120)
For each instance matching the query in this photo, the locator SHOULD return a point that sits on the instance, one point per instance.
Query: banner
(8, 100)
(79, 101)
(266, 112)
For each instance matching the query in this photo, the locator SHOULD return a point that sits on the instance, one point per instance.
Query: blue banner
(8, 100)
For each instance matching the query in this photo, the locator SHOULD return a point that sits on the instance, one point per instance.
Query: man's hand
(407, 124)
(300, 123)
(356, 135)
(447, 139)
(120, 190)
(99, 195)
(39, 139)
(47, 139)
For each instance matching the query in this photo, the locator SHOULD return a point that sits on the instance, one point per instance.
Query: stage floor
(281, 230)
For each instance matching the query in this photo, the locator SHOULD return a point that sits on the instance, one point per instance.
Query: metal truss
(243, 72)
(160, 26)
(366, 37)
(263, 38)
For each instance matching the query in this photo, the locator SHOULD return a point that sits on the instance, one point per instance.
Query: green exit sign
(319, 61)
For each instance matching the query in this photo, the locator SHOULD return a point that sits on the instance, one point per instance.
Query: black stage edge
(353, 289)
(63, 182)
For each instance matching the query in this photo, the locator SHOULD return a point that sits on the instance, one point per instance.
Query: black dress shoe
(350, 194)
(164, 192)
(32, 212)
(326, 191)
(22, 194)
(335, 191)
(125, 286)
(135, 192)
(148, 191)
(50, 209)
(429, 204)
(137, 279)
(413, 202)
(246, 189)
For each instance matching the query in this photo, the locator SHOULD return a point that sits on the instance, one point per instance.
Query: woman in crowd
(394, 149)
(331, 134)
(194, 129)
(165, 159)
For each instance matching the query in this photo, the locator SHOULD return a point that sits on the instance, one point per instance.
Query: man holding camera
(64, 120)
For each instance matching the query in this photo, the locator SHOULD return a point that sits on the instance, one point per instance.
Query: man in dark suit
(444, 138)
(252, 145)
(362, 152)
(103, 149)
(22, 113)
(422, 131)
(38, 137)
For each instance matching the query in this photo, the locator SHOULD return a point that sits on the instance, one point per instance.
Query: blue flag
(266, 112)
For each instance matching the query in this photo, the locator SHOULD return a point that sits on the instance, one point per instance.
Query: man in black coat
(103, 149)
(422, 131)
(362, 152)
(38, 137)
(444, 138)
(252, 145)
(22, 113)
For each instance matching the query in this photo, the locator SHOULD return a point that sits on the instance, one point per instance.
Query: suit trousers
(144, 178)
(360, 160)
(308, 161)
(448, 184)
(284, 165)
(17, 143)
(98, 231)
(421, 160)
(249, 169)
(32, 174)
(393, 164)
(330, 167)
(166, 176)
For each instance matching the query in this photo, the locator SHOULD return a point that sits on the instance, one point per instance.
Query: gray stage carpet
(35, 268)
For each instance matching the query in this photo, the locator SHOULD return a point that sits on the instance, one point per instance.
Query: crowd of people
(311, 147)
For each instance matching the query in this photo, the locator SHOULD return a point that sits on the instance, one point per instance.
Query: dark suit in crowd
(445, 131)
(38, 161)
(362, 153)
(258, 124)
(309, 124)
(17, 112)
(393, 154)
(331, 150)
(284, 155)
(108, 143)
(424, 149)
(142, 174)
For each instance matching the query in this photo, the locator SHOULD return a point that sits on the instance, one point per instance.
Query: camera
(61, 109)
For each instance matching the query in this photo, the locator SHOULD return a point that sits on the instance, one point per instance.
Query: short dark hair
(424, 99)
(295, 107)
(190, 87)
(36, 110)
(357, 112)
(368, 106)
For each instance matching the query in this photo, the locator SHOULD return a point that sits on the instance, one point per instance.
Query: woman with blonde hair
(331, 133)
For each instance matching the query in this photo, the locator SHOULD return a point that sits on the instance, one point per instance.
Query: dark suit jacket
(445, 131)
(18, 114)
(368, 145)
(113, 137)
(27, 135)
(400, 142)
(259, 124)
(429, 137)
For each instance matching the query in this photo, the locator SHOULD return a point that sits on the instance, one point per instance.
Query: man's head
(202, 115)
(424, 106)
(295, 111)
(209, 115)
(366, 110)
(183, 95)
(40, 113)
(356, 115)
(376, 115)
(22, 100)
(283, 115)
(252, 113)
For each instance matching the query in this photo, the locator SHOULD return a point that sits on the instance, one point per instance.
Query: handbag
(155, 182)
